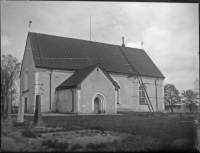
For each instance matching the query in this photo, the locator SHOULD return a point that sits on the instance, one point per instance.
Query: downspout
(50, 91)
(156, 94)
(72, 100)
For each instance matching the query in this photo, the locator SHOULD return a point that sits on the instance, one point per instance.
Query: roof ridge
(82, 40)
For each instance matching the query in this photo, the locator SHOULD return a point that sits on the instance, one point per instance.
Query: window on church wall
(26, 81)
(142, 99)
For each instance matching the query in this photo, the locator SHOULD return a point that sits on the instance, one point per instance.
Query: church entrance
(97, 108)
(25, 106)
(99, 104)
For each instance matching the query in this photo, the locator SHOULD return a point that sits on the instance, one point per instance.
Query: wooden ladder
(147, 99)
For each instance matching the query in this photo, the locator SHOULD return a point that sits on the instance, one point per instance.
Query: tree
(10, 69)
(171, 96)
(190, 98)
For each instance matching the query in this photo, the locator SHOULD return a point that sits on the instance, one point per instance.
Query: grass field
(170, 131)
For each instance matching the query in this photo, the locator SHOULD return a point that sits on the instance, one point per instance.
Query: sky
(169, 31)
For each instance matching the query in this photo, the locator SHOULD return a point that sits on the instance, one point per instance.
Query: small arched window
(142, 99)
(26, 81)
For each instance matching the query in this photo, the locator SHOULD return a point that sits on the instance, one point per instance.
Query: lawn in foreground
(168, 130)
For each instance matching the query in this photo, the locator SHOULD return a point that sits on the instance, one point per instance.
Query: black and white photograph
(95, 76)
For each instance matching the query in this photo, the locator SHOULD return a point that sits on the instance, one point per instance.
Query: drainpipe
(72, 100)
(156, 94)
(50, 91)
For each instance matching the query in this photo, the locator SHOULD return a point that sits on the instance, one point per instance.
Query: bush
(50, 143)
(60, 146)
(162, 135)
(25, 123)
(115, 142)
(96, 145)
(51, 125)
(29, 133)
(181, 144)
(15, 123)
(96, 127)
(76, 146)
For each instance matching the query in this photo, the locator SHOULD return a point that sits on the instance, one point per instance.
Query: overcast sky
(170, 31)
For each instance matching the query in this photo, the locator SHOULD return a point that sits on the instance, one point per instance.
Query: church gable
(98, 77)
(27, 77)
(79, 76)
(98, 92)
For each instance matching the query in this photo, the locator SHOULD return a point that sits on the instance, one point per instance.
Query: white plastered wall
(57, 77)
(97, 83)
(129, 93)
(28, 65)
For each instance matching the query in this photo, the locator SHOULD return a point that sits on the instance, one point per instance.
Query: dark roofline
(95, 66)
(42, 67)
(118, 46)
(66, 87)
(74, 86)
(84, 40)
(112, 72)
(132, 66)
(68, 69)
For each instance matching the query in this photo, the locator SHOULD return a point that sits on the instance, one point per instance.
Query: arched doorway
(98, 104)
(25, 106)
(97, 107)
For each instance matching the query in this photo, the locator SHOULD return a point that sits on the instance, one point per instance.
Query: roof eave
(66, 87)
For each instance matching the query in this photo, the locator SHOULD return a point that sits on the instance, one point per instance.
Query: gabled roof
(75, 79)
(54, 52)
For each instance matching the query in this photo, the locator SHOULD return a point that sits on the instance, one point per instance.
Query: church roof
(54, 52)
(76, 78)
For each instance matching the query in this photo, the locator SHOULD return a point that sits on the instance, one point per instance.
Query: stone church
(85, 77)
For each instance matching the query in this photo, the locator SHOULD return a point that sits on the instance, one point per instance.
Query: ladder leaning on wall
(147, 99)
(145, 92)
